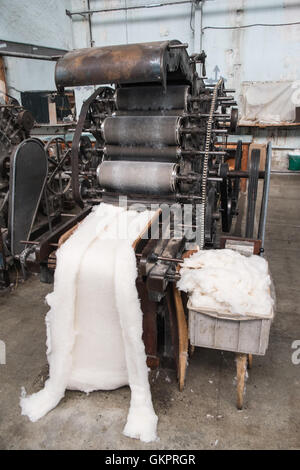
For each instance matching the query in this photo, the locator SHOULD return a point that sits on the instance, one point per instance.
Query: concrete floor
(204, 416)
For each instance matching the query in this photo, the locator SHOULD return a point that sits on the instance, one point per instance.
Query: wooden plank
(149, 309)
(244, 166)
(3, 84)
(173, 325)
(183, 342)
(256, 243)
(52, 112)
(241, 366)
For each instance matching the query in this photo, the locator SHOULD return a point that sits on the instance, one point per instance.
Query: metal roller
(138, 177)
(156, 131)
(137, 153)
(152, 98)
(126, 63)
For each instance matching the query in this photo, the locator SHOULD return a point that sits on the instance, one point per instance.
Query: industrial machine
(160, 138)
(15, 126)
(34, 185)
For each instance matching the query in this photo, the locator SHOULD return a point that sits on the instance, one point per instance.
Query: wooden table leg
(182, 337)
(149, 309)
(250, 361)
(241, 366)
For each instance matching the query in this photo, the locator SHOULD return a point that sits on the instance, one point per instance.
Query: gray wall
(149, 24)
(254, 53)
(39, 22)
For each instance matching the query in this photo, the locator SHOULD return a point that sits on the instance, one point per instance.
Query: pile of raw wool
(225, 280)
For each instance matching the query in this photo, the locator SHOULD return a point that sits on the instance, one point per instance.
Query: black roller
(138, 153)
(152, 98)
(155, 131)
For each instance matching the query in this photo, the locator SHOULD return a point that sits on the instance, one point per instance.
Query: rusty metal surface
(128, 63)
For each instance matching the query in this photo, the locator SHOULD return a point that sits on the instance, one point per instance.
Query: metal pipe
(285, 173)
(189, 197)
(201, 26)
(201, 152)
(136, 7)
(23, 55)
(243, 174)
(225, 98)
(265, 198)
(207, 115)
(195, 178)
(153, 257)
(29, 242)
(179, 46)
(197, 130)
(229, 90)
(92, 42)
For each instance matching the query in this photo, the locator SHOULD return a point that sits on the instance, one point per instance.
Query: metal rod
(194, 130)
(161, 258)
(23, 55)
(30, 242)
(216, 115)
(225, 98)
(189, 197)
(178, 46)
(207, 115)
(228, 103)
(265, 198)
(217, 179)
(137, 7)
(192, 178)
(202, 152)
(106, 100)
(188, 177)
(243, 174)
(285, 173)
(92, 42)
(212, 85)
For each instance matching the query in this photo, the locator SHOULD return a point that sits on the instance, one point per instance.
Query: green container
(294, 162)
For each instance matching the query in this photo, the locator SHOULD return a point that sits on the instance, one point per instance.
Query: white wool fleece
(94, 326)
(226, 279)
